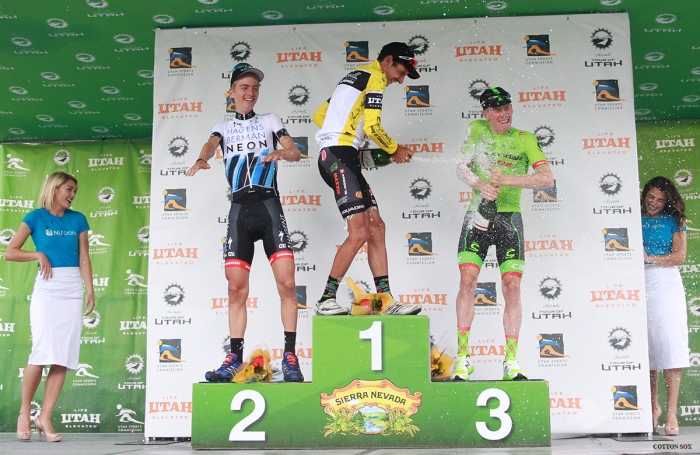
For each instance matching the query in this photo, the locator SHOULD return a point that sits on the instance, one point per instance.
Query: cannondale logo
(691, 98)
(106, 195)
(44, 118)
(601, 38)
(696, 71)
(667, 18)
(132, 117)
(18, 90)
(383, 10)
(6, 235)
(134, 364)
(143, 234)
(85, 58)
(683, 177)
(477, 87)
(16, 131)
(298, 241)
(174, 295)
(49, 76)
(99, 5)
(109, 90)
(642, 112)
(497, 6)
(610, 2)
(420, 189)
(19, 41)
(61, 157)
(92, 320)
(208, 2)
(610, 184)
(76, 104)
(544, 135)
(648, 87)
(654, 56)
(240, 51)
(57, 23)
(298, 95)
(272, 15)
(619, 339)
(419, 44)
(163, 19)
(550, 288)
(146, 74)
(178, 146)
(124, 39)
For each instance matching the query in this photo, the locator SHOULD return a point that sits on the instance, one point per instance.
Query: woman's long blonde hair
(53, 181)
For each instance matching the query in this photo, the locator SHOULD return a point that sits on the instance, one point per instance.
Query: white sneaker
(400, 308)
(330, 308)
(512, 371)
(463, 368)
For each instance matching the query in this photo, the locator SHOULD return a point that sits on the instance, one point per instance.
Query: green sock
(463, 340)
(511, 347)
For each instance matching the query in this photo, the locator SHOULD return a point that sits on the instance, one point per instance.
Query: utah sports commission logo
(485, 295)
(180, 57)
(551, 345)
(607, 90)
(616, 239)
(417, 96)
(625, 397)
(357, 51)
(537, 45)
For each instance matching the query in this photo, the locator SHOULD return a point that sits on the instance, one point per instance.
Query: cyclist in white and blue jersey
(249, 145)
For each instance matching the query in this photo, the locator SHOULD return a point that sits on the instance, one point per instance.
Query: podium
(371, 388)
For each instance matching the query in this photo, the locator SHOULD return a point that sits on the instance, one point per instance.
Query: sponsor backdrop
(583, 289)
(669, 149)
(107, 392)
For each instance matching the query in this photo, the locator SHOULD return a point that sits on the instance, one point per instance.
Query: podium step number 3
(371, 388)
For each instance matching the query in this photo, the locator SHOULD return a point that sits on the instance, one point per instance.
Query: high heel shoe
(50, 437)
(23, 435)
(656, 414)
(671, 430)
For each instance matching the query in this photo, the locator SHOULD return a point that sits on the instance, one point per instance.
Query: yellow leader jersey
(353, 111)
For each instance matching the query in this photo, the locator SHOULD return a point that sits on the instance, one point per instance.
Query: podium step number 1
(371, 388)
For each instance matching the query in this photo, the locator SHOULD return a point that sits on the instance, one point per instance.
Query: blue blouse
(57, 237)
(657, 234)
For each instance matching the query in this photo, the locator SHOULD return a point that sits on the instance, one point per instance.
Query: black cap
(402, 53)
(244, 68)
(494, 97)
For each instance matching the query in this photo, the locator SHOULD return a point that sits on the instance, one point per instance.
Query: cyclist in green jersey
(495, 164)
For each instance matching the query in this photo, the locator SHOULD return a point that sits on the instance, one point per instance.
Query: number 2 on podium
(374, 334)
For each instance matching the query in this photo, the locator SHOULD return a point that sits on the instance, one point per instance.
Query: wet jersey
(512, 152)
(244, 141)
(353, 111)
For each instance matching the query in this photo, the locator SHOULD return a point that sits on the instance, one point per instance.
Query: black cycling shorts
(341, 170)
(251, 218)
(505, 231)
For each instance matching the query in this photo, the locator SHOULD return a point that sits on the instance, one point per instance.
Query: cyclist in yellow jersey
(496, 161)
(349, 116)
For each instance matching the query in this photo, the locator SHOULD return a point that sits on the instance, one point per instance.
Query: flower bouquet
(257, 369)
(441, 359)
(368, 304)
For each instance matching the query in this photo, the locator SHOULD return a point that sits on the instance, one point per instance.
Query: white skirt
(667, 319)
(56, 318)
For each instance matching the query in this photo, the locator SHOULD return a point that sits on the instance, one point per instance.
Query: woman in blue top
(663, 232)
(60, 236)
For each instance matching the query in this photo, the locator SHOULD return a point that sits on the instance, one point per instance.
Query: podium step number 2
(371, 388)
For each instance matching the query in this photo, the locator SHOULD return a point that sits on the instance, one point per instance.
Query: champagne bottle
(484, 214)
(375, 157)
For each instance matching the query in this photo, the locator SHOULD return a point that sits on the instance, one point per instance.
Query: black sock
(290, 341)
(237, 348)
(382, 283)
(331, 289)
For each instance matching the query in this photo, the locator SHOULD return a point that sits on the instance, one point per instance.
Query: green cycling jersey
(512, 152)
